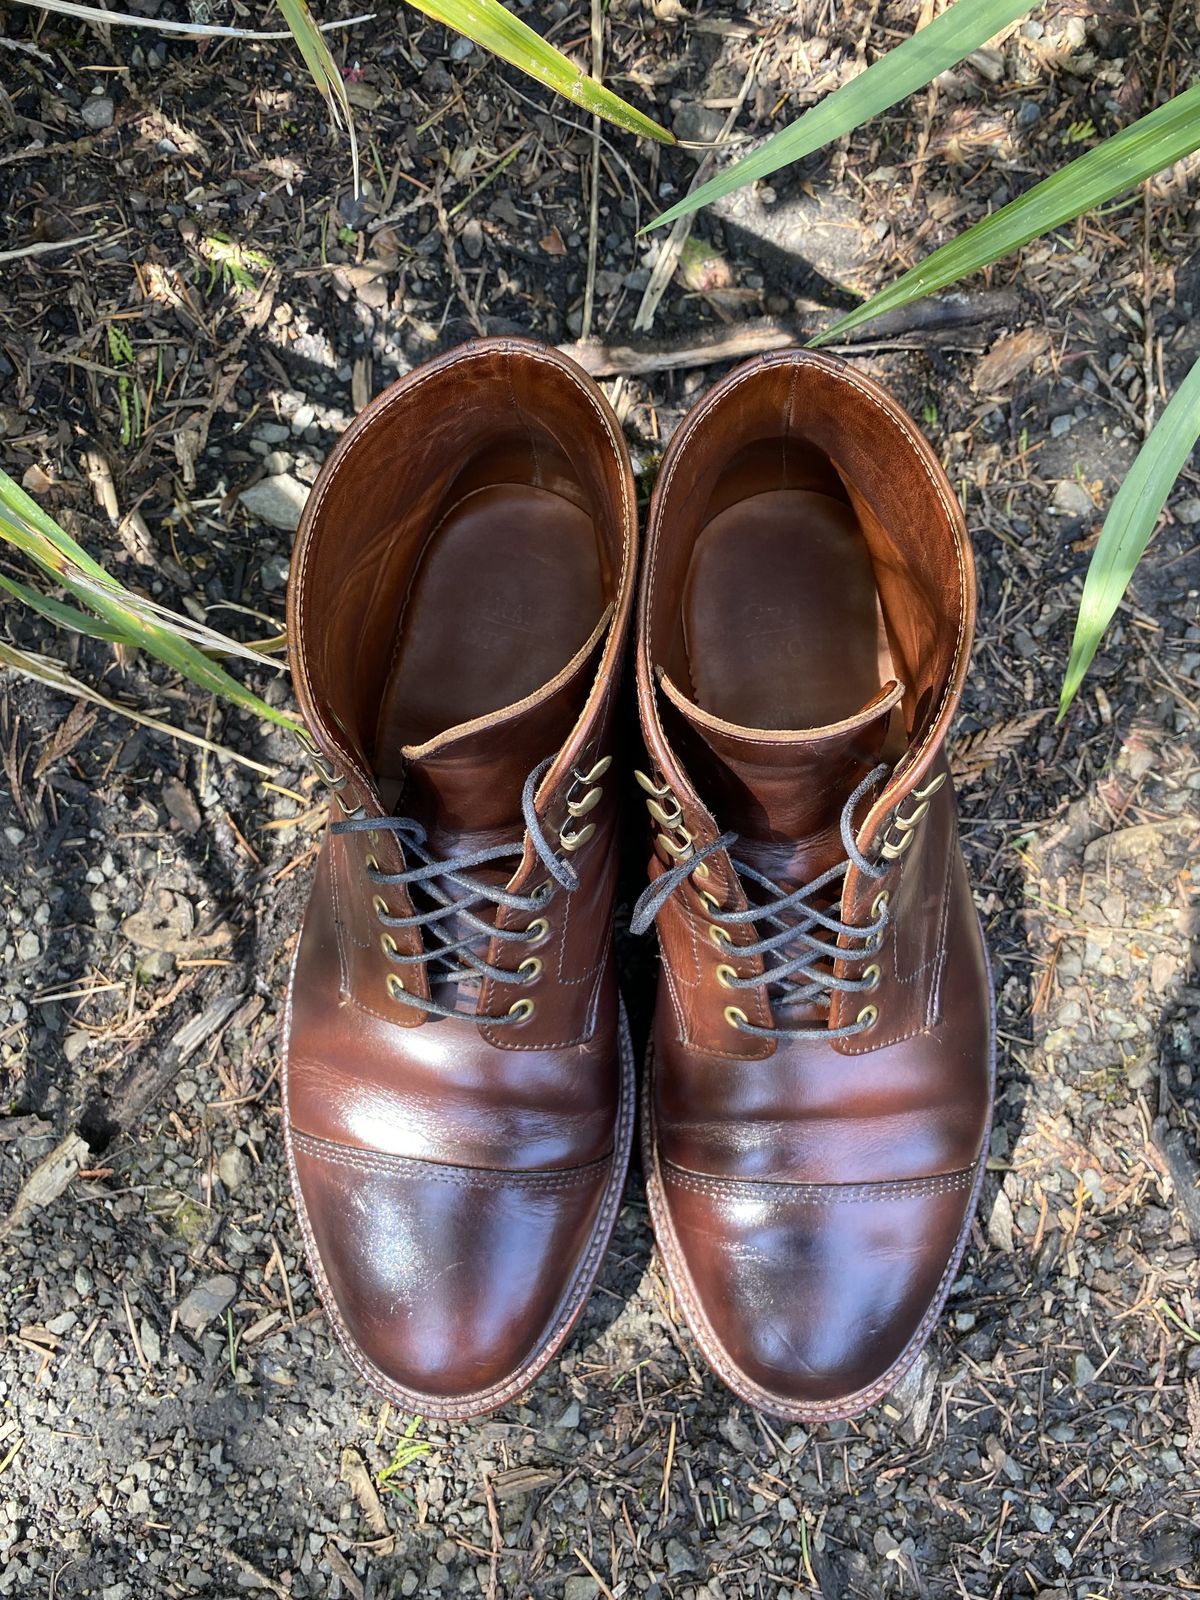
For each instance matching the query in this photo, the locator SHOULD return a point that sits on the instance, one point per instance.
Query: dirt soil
(176, 1420)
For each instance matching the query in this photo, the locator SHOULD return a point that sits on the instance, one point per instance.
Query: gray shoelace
(794, 949)
(448, 883)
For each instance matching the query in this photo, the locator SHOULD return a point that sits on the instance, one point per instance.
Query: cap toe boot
(820, 1085)
(458, 1083)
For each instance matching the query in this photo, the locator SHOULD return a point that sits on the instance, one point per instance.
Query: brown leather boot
(822, 1064)
(458, 1084)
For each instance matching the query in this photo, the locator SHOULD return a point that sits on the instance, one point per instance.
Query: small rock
(1189, 510)
(679, 1558)
(97, 113)
(278, 500)
(1082, 1371)
(29, 946)
(274, 572)
(1000, 1223)
(1071, 499)
(1060, 426)
(580, 1587)
(206, 1302)
(272, 432)
(1042, 1519)
(697, 124)
(569, 1420)
(181, 806)
(233, 1168)
(151, 1343)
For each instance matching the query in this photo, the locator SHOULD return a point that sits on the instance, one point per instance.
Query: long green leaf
(1147, 146)
(963, 27)
(319, 61)
(55, 676)
(493, 27)
(60, 615)
(1130, 522)
(31, 530)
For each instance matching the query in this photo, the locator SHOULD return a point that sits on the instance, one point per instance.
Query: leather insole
(507, 589)
(781, 616)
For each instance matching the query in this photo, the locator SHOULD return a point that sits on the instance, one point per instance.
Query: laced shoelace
(448, 883)
(794, 948)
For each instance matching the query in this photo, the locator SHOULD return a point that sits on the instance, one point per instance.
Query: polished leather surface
(811, 1196)
(459, 605)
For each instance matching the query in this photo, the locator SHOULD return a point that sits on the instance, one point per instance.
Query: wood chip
(1008, 359)
(47, 1180)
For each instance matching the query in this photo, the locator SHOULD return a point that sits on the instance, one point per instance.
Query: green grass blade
(964, 27)
(1147, 146)
(55, 676)
(317, 58)
(1130, 522)
(62, 616)
(493, 27)
(31, 530)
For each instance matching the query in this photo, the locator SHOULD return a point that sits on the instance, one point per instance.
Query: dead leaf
(553, 244)
(358, 1480)
(973, 755)
(181, 805)
(1008, 359)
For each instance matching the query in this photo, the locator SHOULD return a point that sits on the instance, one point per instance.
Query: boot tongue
(469, 778)
(783, 791)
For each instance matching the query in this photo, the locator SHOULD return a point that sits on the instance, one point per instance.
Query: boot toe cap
(445, 1284)
(814, 1295)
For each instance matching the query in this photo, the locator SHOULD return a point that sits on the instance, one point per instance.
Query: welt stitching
(462, 1177)
(824, 1194)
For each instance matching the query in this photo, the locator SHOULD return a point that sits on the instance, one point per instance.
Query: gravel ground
(176, 1420)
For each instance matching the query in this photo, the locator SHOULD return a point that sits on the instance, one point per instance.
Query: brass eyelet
(711, 903)
(573, 841)
(347, 811)
(395, 986)
(700, 870)
(868, 1017)
(537, 930)
(580, 808)
(735, 1017)
(388, 945)
(871, 977)
(530, 970)
(372, 864)
(373, 836)
(381, 906)
(719, 936)
(681, 851)
(879, 903)
(660, 813)
(725, 975)
(651, 787)
(597, 772)
(521, 1010)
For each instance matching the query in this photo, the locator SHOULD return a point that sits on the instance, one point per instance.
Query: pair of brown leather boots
(459, 1084)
